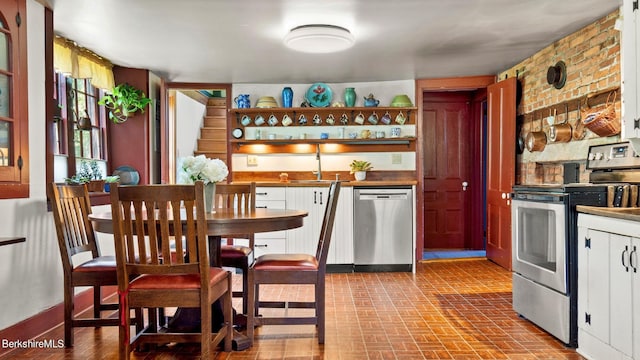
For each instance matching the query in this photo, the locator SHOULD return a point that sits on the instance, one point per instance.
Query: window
(14, 174)
(77, 130)
(80, 129)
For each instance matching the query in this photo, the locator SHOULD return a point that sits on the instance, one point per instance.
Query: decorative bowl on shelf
(266, 102)
(401, 101)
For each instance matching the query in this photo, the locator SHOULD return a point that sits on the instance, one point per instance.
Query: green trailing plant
(124, 100)
(360, 165)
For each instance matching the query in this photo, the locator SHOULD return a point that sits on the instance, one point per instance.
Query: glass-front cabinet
(14, 120)
(6, 77)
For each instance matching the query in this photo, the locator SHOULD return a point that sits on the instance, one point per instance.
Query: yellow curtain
(81, 63)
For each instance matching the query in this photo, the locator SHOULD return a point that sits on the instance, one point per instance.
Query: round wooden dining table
(227, 222)
(223, 222)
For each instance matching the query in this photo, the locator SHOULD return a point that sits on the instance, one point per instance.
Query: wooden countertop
(632, 214)
(309, 183)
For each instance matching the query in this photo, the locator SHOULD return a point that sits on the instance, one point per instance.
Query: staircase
(213, 134)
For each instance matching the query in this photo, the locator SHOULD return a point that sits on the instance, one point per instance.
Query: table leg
(188, 319)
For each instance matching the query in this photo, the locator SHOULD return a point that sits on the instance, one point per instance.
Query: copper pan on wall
(560, 133)
(536, 140)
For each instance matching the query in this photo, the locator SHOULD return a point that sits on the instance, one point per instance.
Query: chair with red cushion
(294, 269)
(149, 277)
(233, 254)
(71, 208)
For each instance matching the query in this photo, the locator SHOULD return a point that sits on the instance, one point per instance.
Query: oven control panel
(612, 156)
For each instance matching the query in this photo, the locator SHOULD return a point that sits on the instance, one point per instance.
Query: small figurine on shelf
(371, 101)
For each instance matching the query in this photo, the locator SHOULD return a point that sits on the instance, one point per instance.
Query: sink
(309, 181)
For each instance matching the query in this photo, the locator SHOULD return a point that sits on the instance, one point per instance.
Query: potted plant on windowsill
(123, 101)
(110, 180)
(359, 168)
(90, 174)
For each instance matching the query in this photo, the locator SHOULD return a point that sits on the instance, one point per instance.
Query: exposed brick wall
(592, 57)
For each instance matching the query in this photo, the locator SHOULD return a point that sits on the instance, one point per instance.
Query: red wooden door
(447, 144)
(501, 137)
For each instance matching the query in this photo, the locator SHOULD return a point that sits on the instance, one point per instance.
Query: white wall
(31, 272)
(383, 91)
(189, 118)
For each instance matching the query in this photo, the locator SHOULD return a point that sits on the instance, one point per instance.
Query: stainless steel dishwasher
(383, 228)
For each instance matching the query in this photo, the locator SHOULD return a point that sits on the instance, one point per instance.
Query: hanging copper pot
(561, 133)
(536, 140)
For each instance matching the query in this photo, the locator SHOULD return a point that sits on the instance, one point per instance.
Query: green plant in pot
(359, 168)
(112, 179)
(89, 173)
(123, 101)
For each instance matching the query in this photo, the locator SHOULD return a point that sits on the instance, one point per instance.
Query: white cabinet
(271, 242)
(305, 239)
(608, 288)
(630, 54)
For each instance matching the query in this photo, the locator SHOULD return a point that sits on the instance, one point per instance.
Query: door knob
(464, 185)
(504, 195)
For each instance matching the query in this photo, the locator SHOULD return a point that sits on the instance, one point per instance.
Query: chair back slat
(326, 229)
(172, 214)
(242, 197)
(71, 208)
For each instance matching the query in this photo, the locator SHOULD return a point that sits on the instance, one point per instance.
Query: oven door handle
(542, 193)
(552, 198)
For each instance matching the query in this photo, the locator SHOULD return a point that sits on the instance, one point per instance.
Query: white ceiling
(240, 41)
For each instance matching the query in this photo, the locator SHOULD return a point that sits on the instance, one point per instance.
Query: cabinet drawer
(269, 246)
(270, 193)
(271, 204)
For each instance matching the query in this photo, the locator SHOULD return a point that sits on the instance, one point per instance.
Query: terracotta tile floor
(447, 310)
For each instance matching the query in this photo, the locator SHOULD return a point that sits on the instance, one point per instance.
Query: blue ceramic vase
(287, 97)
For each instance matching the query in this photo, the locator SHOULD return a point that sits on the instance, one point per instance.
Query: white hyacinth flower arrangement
(200, 167)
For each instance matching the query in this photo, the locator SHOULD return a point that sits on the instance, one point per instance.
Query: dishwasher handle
(402, 195)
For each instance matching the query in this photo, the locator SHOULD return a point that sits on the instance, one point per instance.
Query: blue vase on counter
(287, 97)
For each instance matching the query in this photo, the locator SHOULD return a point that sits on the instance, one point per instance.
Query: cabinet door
(635, 288)
(341, 249)
(304, 240)
(620, 282)
(593, 283)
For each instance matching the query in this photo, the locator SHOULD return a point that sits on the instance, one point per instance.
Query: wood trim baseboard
(49, 319)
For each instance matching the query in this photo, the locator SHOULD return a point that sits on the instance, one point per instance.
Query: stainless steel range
(544, 235)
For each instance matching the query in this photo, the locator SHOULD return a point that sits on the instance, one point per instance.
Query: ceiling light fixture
(318, 38)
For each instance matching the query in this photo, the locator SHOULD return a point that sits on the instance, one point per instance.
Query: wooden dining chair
(233, 254)
(143, 250)
(71, 208)
(294, 269)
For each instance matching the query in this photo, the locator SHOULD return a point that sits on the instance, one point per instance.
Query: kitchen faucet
(319, 171)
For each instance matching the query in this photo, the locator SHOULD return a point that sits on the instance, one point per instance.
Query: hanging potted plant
(123, 101)
(359, 168)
